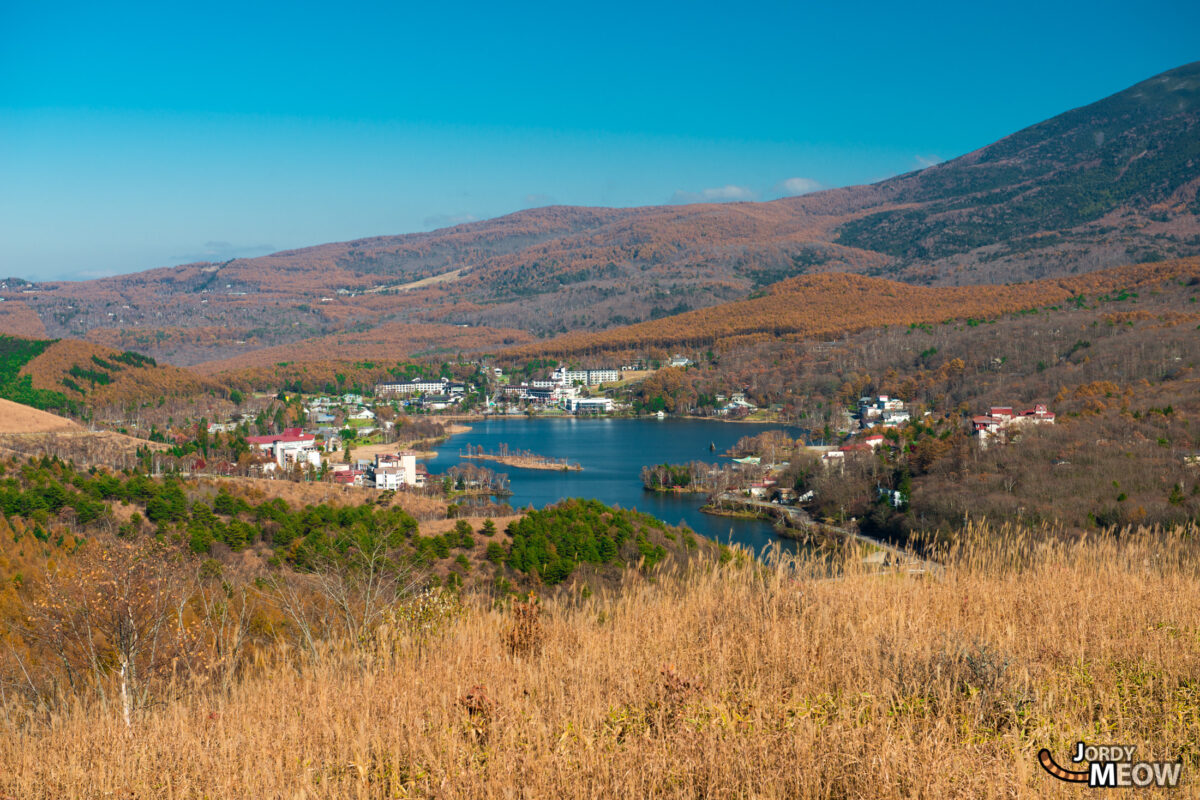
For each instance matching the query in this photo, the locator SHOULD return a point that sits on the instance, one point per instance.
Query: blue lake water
(613, 452)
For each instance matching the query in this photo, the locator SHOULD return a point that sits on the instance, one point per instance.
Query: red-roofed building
(289, 435)
(1001, 418)
(349, 477)
(1039, 413)
(289, 448)
(986, 423)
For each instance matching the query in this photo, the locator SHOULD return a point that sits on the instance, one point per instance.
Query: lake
(613, 452)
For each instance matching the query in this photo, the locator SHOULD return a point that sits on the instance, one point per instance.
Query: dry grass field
(732, 681)
(298, 495)
(29, 432)
(16, 418)
(87, 448)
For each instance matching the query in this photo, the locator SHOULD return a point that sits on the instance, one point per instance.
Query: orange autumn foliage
(816, 306)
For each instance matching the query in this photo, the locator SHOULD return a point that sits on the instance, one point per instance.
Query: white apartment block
(588, 377)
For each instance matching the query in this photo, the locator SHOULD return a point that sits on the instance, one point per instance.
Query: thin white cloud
(92, 274)
(223, 251)
(924, 162)
(794, 186)
(720, 194)
(538, 200)
(447, 220)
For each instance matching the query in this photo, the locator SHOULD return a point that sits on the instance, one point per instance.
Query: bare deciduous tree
(114, 619)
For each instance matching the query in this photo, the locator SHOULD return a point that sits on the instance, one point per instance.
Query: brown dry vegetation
(833, 304)
(129, 384)
(301, 494)
(16, 418)
(533, 270)
(18, 319)
(1118, 368)
(391, 341)
(85, 448)
(730, 681)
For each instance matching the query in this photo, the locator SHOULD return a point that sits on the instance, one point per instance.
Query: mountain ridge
(1106, 184)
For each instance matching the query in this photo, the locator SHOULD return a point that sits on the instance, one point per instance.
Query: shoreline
(734, 513)
(564, 415)
(524, 462)
(423, 448)
(737, 421)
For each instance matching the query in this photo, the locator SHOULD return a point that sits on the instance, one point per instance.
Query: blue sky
(142, 135)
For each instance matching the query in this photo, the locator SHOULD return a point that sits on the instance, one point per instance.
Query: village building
(832, 458)
(564, 393)
(441, 386)
(349, 477)
(388, 478)
(1000, 420)
(588, 377)
(288, 449)
(540, 394)
(439, 402)
(397, 470)
(737, 402)
(589, 405)
(882, 411)
(893, 418)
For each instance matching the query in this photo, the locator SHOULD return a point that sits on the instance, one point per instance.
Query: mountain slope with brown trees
(18, 319)
(390, 341)
(103, 383)
(820, 306)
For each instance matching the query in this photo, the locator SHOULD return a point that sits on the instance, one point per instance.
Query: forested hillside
(85, 379)
(1122, 171)
(387, 342)
(1118, 368)
(18, 319)
(822, 306)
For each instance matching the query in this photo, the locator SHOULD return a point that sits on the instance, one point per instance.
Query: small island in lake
(522, 459)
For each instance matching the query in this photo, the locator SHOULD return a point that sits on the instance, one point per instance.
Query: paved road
(799, 518)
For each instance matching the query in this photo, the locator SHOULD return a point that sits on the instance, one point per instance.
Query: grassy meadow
(727, 681)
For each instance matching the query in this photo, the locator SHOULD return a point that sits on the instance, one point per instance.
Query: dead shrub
(675, 692)
(973, 673)
(525, 636)
(480, 709)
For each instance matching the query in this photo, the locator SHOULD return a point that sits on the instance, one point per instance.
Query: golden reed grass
(725, 682)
